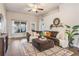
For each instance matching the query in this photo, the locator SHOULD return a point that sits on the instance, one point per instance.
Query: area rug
(30, 50)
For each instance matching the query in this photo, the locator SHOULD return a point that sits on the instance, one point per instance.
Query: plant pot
(70, 45)
(70, 42)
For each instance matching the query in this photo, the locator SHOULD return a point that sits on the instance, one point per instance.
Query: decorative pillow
(47, 34)
(54, 33)
(51, 34)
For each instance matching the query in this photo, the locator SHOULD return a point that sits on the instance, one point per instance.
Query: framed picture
(56, 21)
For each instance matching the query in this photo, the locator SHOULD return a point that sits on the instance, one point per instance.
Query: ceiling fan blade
(36, 11)
(40, 9)
(29, 10)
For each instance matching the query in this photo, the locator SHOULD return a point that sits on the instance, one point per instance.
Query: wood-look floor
(75, 50)
(15, 48)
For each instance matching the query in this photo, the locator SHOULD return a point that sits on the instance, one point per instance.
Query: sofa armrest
(56, 41)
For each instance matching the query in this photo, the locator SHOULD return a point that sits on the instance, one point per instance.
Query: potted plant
(71, 31)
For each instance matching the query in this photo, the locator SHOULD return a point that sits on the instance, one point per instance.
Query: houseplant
(71, 31)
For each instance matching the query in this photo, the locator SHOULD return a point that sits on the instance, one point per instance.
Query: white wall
(68, 14)
(48, 18)
(29, 19)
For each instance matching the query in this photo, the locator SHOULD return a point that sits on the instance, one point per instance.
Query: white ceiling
(20, 7)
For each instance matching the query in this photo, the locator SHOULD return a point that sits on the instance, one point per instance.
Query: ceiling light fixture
(34, 7)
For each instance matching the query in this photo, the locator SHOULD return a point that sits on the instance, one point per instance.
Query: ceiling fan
(35, 7)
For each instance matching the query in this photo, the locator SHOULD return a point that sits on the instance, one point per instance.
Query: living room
(22, 21)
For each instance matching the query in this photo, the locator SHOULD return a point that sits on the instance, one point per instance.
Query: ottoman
(42, 45)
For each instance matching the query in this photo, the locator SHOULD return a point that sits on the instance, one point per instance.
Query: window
(18, 27)
(33, 26)
(42, 25)
(23, 27)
